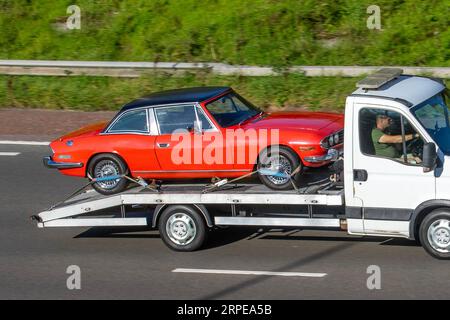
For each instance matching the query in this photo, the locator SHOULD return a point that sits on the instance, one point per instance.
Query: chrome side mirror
(198, 129)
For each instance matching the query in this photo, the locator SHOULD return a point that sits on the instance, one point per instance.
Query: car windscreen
(231, 109)
(433, 114)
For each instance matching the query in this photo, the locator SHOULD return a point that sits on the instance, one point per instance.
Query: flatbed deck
(79, 210)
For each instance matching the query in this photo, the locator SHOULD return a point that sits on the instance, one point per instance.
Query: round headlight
(330, 141)
(336, 138)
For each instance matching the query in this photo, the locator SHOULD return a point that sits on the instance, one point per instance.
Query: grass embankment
(265, 32)
(256, 32)
(102, 93)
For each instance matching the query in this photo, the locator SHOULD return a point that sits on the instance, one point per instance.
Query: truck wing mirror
(429, 156)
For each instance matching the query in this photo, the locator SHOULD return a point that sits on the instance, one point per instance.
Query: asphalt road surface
(135, 264)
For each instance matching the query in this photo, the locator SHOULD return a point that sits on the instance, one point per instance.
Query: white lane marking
(27, 143)
(9, 154)
(249, 272)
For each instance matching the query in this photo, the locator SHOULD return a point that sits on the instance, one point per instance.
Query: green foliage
(257, 32)
(102, 93)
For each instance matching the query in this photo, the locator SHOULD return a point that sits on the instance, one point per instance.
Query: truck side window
(387, 134)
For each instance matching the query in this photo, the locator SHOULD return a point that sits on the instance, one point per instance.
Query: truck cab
(392, 188)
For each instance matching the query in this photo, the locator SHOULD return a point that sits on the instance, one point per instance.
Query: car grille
(341, 136)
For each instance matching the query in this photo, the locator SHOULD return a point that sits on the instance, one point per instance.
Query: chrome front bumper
(332, 155)
(49, 163)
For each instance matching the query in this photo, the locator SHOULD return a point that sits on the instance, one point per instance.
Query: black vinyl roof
(197, 94)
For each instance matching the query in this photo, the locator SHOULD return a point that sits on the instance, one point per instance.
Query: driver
(384, 143)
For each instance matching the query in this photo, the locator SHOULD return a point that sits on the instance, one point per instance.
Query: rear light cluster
(332, 140)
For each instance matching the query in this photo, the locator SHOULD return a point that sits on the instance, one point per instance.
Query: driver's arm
(386, 138)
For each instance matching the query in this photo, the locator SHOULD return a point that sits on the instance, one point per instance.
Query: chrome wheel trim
(439, 235)
(107, 168)
(181, 229)
(281, 164)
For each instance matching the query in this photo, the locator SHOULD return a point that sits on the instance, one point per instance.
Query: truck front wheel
(182, 228)
(435, 234)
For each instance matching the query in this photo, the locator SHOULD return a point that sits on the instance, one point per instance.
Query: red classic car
(198, 133)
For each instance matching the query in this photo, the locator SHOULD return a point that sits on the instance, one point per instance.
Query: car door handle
(360, 175)
(163, 145)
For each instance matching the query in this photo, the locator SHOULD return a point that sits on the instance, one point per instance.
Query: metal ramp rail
(75, 213)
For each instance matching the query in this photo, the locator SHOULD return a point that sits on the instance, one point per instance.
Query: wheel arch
(422, 211)
(197, 207)
(287, 146)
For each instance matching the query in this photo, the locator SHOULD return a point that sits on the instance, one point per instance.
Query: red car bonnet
(89, 130)
(296, 120)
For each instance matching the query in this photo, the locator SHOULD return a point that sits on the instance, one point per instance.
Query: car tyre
(103, 165)
(285, 161)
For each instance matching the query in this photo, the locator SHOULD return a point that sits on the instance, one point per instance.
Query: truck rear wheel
(182, 228)
(434, 234)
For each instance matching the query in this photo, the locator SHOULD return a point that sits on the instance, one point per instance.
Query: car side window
(131, 121)
(206, 124)
(388, 134)
(175, 118)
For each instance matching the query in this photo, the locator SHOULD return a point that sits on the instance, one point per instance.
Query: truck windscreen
(433, 114)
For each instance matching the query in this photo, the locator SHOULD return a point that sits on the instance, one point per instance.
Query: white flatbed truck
(406, 196)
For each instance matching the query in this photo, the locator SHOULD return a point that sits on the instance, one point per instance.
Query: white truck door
(389, 185)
